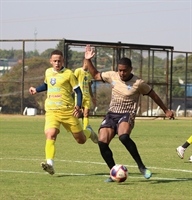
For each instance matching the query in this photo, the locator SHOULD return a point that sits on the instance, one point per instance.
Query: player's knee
(124, 138)
(51, 134)
(80, 141)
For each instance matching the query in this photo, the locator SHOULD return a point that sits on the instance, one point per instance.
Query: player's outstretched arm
(159, 102)
(89, 53)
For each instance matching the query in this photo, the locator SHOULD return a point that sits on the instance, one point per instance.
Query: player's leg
(85, 118)
(189, 141)
(72, 124)
(52, 127)
(124, 130)
(86, 108)
(105, 137)
(181, 149)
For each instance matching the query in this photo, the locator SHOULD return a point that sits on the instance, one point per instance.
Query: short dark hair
(57, 52)
(125, 61)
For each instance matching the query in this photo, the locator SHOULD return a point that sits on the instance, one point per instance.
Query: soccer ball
(119, 173)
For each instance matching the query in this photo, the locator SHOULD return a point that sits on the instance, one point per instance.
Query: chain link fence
(23, 63)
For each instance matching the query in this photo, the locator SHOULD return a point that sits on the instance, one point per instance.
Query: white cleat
(93, 135)
(180, 151)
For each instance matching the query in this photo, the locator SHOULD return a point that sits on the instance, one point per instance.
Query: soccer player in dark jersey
(126, 89)
(60, 107)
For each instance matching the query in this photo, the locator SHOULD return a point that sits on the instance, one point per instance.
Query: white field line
(99, 163)
(88, 162)
(73, 174)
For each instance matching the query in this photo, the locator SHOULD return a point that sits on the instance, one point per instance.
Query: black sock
(106, 154)
(185, 145)
(132, 148)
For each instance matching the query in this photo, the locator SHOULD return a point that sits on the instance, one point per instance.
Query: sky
(151, 22)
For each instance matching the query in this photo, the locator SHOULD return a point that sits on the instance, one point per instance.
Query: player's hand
(169, 114)
(89, 52)
(32, 90)
(77, 112)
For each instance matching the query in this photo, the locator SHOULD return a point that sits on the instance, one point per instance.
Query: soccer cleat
(93, 135)
(146, 173)
(109, 180)
(48, 168)
(180, 151)
(190, 159)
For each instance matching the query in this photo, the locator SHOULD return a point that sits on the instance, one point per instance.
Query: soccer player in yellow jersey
(60, 107)
(84, 79)
(181, 149)
(126, 89)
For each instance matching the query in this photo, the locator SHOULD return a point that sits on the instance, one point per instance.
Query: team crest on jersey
(53, 81)
(113, 83)
(85, 78)
(129, 87)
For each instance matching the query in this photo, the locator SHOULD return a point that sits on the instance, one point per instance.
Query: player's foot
(48, 168)
(180, 151)
(146, 173)
(190, 159)
(93, 135)
(109, 180)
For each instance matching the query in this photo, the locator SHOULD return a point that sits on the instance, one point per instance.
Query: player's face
(57, 62)
(124, 72)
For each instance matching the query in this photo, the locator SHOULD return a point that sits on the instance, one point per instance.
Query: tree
(46, 54)
(11, 89)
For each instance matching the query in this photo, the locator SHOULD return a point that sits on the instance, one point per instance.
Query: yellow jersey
(84, 79)
(59, 90)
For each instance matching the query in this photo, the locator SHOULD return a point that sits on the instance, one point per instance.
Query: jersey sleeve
(73, 81)
(106, 76)
(76, 72)
(144, 88)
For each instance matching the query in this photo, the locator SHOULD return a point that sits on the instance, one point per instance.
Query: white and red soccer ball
(119, 173)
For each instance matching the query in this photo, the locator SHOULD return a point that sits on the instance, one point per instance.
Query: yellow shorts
(53, 119)
(86, 103)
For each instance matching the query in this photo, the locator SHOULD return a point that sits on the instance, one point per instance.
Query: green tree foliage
(46, 54)
(11, 89)
(30, 54)
(6, 54)
(179, 71)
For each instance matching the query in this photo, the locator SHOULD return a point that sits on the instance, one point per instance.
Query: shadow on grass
(97, 174)
(170, 180)
(152, 180)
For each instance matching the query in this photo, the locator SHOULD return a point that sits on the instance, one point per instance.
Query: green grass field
(80, 169)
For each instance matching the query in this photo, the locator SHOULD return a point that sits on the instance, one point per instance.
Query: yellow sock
(189, 140)
(50, 149)
(85, 122)
(87, 133)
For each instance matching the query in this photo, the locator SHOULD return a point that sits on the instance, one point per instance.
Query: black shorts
(112, 120)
